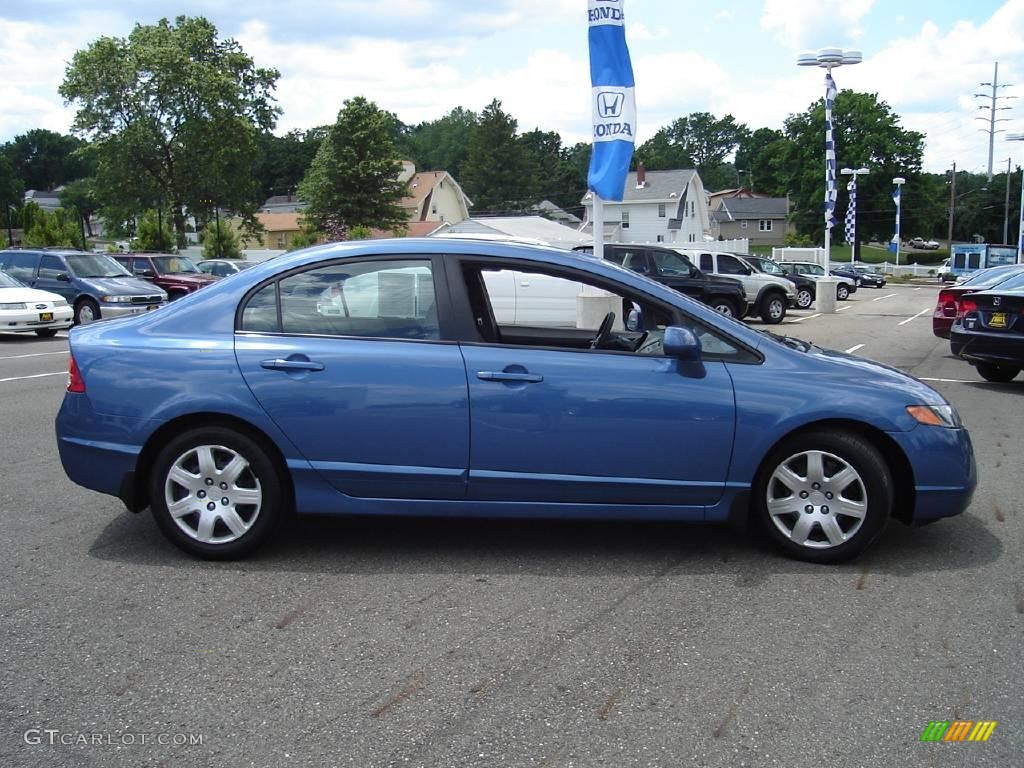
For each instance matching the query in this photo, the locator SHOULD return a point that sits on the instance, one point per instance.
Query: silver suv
(767, 295)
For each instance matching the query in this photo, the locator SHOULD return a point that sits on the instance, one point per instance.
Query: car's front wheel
(215, 493)
(804, 298)
(46, 333)
(725, 307)
(842, 292)
(773, 309)
(823, 496)
(86, 311)
(997, 373)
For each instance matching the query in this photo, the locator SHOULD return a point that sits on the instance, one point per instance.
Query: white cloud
(814, 24)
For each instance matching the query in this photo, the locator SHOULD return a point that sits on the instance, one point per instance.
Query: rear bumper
(985, 347)
(945, 473)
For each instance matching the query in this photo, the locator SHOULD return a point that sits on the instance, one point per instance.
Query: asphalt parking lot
(510, 643)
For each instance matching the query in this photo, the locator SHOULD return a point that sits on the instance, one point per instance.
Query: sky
(421, 58)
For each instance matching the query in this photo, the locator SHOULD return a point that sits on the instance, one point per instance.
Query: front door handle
(279, 364)
(523, 377)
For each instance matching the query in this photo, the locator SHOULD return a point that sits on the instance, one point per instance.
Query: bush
(220, 243)
(152, 234)
(58, 228)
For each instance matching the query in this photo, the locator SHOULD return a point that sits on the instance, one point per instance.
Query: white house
(657, 207)
(435, 196)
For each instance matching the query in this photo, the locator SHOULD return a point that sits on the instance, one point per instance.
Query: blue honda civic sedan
(462, 377)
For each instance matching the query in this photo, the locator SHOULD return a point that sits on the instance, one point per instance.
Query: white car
(23, 309)
(768, 295)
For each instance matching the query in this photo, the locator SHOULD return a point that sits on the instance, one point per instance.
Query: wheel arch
(136, 496)
(904, 496)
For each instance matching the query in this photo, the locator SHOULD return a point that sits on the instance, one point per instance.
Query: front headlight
(60, 303)
(14, 305)
(117, 299)
(935, 415)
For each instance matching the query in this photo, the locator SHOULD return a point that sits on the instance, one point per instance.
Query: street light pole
(899, 181)
(952, 199)
(829, 59)
(851, 211)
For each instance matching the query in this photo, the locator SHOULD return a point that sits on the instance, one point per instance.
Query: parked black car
(674, 270)
(868, 277)
(989, 332)
(805, 292)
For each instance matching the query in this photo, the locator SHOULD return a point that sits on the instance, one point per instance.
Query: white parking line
(887, 296)
(918, 289)
(948, 381)
(33, 376)
(801, 319)
(923, 311)
(841, 309)
(851, 350)
(34, 354)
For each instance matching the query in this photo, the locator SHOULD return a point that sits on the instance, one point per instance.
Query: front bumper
(108, 310)
(945, 473)
(26, 321)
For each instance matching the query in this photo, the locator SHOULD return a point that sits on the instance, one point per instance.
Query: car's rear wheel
(86, 311)
(215, 493)
(823, 496)
(773, 308)
(46, 333)
(842, 292)
(997, 373)
(725, 307)
(804, 298)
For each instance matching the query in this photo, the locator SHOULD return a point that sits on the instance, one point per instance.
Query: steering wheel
(604, 332)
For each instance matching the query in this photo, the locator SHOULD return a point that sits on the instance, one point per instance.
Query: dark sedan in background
(947, 306)
(989, 332)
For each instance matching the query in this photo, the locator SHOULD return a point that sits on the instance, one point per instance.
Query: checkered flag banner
(831, 194)
(851, 212)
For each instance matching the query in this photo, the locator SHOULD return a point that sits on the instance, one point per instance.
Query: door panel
(587, 427)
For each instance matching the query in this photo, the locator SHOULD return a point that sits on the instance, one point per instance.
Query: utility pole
(993, 107)
(952, 195)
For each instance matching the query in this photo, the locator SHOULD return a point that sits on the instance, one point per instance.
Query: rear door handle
(526, 378)
(279, 364)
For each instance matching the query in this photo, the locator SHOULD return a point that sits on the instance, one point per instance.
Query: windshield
(810, 269)
(95, 265)
(6, 281)
(1012, 282)
(767, 265)
(165, 264)
(992, 276)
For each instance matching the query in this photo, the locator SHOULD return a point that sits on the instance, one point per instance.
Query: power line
(992, 108)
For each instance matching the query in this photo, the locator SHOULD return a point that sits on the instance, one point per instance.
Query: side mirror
(145, 273)
(635, 321)
(681, 343)
(63, 277)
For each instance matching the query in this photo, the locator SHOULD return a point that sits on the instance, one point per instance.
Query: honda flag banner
(612, 100)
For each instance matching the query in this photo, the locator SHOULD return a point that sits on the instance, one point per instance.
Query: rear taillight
(75, 381)
(946, 306)
(965, 305)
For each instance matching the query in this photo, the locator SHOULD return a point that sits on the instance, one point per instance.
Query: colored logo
(958, 730)
(609, 103)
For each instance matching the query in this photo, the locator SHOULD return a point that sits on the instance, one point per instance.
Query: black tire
(999, 374)
(46, 333)
(176, 295)
(842, 292)
(89, 308)
(874, 484)
(804, 298)
(262, 475)
(725, 307)
(773, 308)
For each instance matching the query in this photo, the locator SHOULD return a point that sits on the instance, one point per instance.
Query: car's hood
(26, 296)
(121, 285)
(874, 374)
(189, 277)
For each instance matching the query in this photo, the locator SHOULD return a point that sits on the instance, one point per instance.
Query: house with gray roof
(657, 207)
(762, 220)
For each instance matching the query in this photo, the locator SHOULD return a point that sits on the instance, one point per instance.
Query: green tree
(499, 174)
(58, 228)
(45, 159)
(153, 233)
(662, 152)
(221, 242)
(10, 195)
(174, 114)
(867, 133)
(353, 180)
(80, 196)
(442, 145)
(699, 141)
(753, 157)
(283, 160)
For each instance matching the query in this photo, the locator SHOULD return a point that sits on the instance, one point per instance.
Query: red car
(178, 275)
(948, 305)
